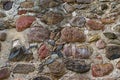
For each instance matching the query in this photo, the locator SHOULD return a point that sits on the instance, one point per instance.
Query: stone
(104, 6)
(94, 37)
(41, 78)
(100, 70)
(92, 24)
(4, 73)
(20, 12)
(69, 1)
(78, 21)
(2, 25)
(72, 34)
(57, 68)
(49, 3)
(113, 52)
(24, 22)
(27, 4)
(100, 44)
(52, 18)
(3, 36)
(24, 68)
(117, 28)
(0, 46)
(38, 34)
(107, 20)
(7, 5)
(20, 53)
(77, 52)
(84, 1)
(68, 8)
(110, 35)
(79, 66)
(43, 51)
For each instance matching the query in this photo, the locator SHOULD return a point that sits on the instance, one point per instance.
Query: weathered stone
(41, 78)
(100, 70)
(117, 28)
(68, 8)
(79, 66)
(110, 35)
(84, 1)
(78, 52)
(113, 52)
(69, 1)
(100, 44)
(104, 6)
(27, 4)
(2, 25)
(94, 38)
(72, 34)
(24, 22)
(92, 24)
(0, 46)
(52, 18)
(107, 20)
(24, 68)
(49, 3)
(20, 53)
(118, 65)
(38, 34)
(2, 15)
(43, 51)
(4, 73)
(3, 36)
(7, 5)
(20, 12)
(78, 21)
(57, 68)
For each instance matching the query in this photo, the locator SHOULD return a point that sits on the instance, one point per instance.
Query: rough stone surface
(24, 22)
(3, 36)
(71, 34)
(27, 4)
(24, 68)
(100, 44)
(100, 70)
(4, 73)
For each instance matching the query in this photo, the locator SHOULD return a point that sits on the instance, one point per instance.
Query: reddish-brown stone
(92, 24)
(72, 34)
(4, 73)
(27, 4)
(107, 20)
(43, 51)
(100, 44)
(100, 70)
(20, 12)
(24, 22)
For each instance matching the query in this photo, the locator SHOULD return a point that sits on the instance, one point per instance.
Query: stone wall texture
(59, 39)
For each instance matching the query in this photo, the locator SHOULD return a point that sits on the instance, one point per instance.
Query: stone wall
(59, 39)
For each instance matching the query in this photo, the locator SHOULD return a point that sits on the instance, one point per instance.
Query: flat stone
(78, 21)
(92, 24)
(24, 68)
(100, 44)
(68, 8)
(24, 22)
(69, 1)
(38, 34)
(77, 52)
(43, 51)
(107, 20)
(94, 38)
(57, 68)
(2, 25)
(117, 28)
(0, 46)
(3, 36)
(2, 15)
(72, 34)
(100, 70)
(41, 78)
(110, 35)
(27, 4)
(79, 66)
(52, 18)
(4, 73)
(20, 12)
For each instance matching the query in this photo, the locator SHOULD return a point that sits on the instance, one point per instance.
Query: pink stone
(24, 22)
(43, 51)
(100, 44)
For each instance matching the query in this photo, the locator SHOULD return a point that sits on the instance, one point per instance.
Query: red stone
(92, 24)
(24, 22)
(100, 70)
(20, 12)
(4, 73)
(43, 51)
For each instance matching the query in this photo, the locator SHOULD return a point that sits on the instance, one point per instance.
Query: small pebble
(100, 44)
